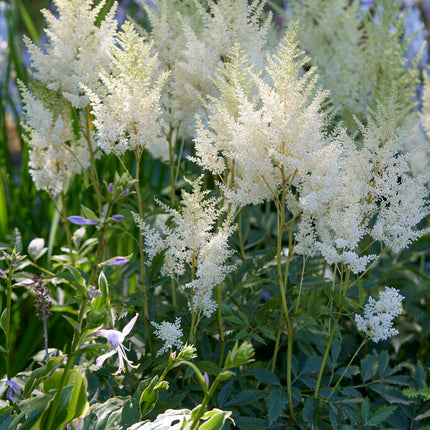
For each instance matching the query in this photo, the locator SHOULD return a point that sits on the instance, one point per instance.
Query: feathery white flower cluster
(126, 105)
(189, 241)
(77, 48)
(263, 138)
(56, 153)
(379, 315)
(193, 44)
(276, 138)
(169, 333)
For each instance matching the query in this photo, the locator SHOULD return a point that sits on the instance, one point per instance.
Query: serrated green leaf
(276, 402)
(245, 398)
(267, 332)
(365, 409)
(309, 410)
(381, 415)
(390, 393)
(264, 376)
(368, 367)
(382, 363)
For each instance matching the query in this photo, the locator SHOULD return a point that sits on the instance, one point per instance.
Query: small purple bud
(93, 293)
(14, 392)
(79, 220)
(117, 218)
(206, 378)
(2, 274)
(117, 261)
(111, 188)
(124, 192)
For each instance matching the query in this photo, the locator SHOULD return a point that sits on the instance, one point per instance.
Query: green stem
(142, 256)
(283, 288)
(220, 326)
(346, 368)
(275, 352)
(67, 228)
(8, 315)
(172, 146)
(239, 234)
(326, 352)
(93, 170)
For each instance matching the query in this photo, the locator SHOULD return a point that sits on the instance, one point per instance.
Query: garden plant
(220, 216)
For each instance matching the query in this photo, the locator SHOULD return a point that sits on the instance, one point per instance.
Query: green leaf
(245, 398)
(76, 274)
(389, 393)
(309, 410)
(381, 415)
(264, 376)
(39, 374)
(368, 367)
(3, 322)
(267, 332)
(365, 409)
(73, 399)
(276, 401)
(89, 214)
(149, 395)
(216, 420)
(382, 363)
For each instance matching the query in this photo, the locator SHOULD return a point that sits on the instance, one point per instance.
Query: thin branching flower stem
(67, 227)
(8, 315)
(138, 155)
(283, 279)
(346, 368)
(93, 170)
(343, 287)
(276, 349)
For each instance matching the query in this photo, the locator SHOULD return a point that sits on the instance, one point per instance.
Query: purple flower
(124, 192)
(79, 220)
(2, 274)
(93, 293)
(117, 218)
(111, 188)
(115, 339)
(14, 392)
(117, 261)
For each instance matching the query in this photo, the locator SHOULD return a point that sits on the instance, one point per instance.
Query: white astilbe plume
(169, 333)
(194, 43)
(126, 106)
(77, 48)
(56, 153)
(377, 322)
(190, 240)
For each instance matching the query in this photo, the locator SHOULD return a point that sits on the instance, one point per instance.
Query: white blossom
(77, 48)
(190, 240)
(126, 106)
(377, 322)
(169, 333)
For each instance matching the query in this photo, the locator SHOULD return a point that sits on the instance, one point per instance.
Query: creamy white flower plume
(377, 322)
(169, 333)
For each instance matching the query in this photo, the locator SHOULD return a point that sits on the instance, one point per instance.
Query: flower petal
(79, 220)
(118, 218)
(127, 329)
(117, 261)
(100, 360)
